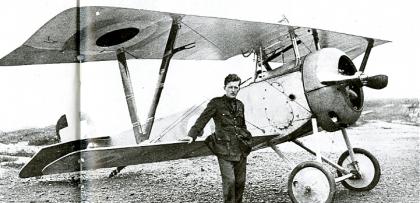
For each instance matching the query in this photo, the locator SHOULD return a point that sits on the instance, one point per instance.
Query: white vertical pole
(73, 113)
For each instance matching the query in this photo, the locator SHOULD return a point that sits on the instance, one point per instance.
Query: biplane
(304, 81)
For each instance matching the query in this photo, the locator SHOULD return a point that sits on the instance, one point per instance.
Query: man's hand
(187, 139)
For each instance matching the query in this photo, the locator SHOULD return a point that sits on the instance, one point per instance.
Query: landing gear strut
(310, 181)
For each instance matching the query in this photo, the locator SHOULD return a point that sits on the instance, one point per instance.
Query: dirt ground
(397, 147)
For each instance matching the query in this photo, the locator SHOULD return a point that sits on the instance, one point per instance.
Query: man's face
(232, 89)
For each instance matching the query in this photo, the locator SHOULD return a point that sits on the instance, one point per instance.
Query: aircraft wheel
(368, 174)
(311, 182)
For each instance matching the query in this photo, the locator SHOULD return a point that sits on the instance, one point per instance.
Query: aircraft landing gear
(311, 182)
(366, 170)
(362, 164)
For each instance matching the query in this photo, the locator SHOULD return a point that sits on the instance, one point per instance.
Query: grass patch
(389, 110)
(34, 136)
(7, 159)
(21, 153)
(13, 165)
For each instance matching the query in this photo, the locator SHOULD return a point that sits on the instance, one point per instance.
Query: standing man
(231, 142)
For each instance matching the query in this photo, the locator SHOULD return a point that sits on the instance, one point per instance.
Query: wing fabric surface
(71, 37)
(90, 159)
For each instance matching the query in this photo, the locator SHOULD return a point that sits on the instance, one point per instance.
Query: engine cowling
(335, 106)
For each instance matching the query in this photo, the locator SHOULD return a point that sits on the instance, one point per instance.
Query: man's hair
(232, 78)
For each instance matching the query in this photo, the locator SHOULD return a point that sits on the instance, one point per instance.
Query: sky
(37, 95)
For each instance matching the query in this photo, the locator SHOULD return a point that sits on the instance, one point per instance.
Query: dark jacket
(230, 124)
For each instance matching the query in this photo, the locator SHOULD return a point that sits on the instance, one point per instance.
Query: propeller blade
(352, 80)
(375, 82)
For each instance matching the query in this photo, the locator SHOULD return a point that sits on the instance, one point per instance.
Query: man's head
(232, 82)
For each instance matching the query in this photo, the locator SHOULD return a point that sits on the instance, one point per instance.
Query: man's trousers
(233, 179)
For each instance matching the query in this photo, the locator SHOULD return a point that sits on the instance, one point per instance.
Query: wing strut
(167, 56)
(316, 39)
(294, 40)
(129, 96)
(366, 56)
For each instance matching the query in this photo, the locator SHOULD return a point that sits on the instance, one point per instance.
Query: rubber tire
(375, 163)
(314, 164)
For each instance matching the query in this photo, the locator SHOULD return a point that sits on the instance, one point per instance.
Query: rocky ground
(396, 147)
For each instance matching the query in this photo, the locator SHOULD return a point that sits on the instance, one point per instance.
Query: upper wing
(95, 33)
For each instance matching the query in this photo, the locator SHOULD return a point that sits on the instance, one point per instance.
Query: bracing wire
(303, 42)
(288, 96)
(178, 120)
(205, 38)
(131, 54)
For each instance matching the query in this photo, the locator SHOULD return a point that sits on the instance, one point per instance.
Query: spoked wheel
(310, 182)
(368, 173)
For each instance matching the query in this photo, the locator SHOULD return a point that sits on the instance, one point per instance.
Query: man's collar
(228, 98)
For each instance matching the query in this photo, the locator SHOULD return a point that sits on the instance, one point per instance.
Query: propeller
(374, 82)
